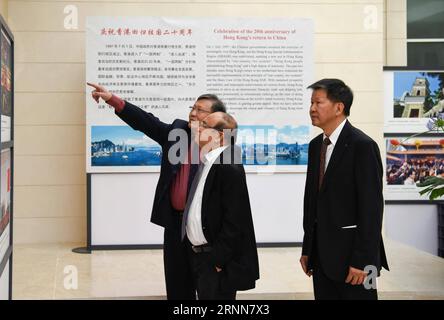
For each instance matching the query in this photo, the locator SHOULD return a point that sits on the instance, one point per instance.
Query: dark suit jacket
(227, 223)
(351, 194)
(226, 214)
(162, 212)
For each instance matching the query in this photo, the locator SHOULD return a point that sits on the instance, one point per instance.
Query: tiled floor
(47, 272)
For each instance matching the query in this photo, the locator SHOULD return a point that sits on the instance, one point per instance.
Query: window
(425, 33)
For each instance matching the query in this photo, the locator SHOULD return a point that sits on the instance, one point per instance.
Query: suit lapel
(315, 162)
(338, 151)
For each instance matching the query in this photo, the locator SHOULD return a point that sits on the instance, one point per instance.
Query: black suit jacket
(228, 224)
(351, 194)
(226, 215)
(162, 213)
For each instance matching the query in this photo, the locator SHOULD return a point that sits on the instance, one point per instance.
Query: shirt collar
(211, 156)
(335, 134)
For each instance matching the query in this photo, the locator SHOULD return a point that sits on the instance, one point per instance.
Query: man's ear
(222, 138)
(340, 108)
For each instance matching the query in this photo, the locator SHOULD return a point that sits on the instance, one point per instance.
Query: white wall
(4, 8)
(414, 225)
(395, 35)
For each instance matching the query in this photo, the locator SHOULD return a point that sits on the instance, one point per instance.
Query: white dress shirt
(333, 139)
(194, 221)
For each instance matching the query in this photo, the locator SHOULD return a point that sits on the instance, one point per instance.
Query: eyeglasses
(198, 110)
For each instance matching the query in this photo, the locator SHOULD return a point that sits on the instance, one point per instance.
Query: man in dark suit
(176, 174)
(217, 224)
(343, 202)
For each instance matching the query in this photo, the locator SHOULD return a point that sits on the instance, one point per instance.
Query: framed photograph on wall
(411, 98)
(5, 201)
(6, 85)
(6, 158)
(410, 160)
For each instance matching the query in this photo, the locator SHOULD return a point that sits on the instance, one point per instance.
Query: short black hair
(217, 105)
(337, 91)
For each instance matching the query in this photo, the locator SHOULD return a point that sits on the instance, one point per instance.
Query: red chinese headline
(144, 32)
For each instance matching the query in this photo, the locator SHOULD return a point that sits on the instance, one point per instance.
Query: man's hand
(218, 269)
(304, 263)
(355, 276)
(99, 92)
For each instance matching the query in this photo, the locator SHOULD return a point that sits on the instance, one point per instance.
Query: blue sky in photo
(288, 134)
(119, 134)
(403, 81)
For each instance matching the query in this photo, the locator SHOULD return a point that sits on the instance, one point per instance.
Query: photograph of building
(418, 94)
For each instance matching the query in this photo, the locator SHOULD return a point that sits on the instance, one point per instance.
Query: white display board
(411, 98)
(414, 148)
(121, 208)
(413, 225)
(259, 67)
(4, 283)
(5, 241)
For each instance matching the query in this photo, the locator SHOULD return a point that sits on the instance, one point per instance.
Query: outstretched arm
(135, 117)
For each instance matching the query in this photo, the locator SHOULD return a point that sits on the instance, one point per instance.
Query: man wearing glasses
(174, 181)
(217, 226)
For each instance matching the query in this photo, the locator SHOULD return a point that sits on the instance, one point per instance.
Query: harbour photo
(122, 146)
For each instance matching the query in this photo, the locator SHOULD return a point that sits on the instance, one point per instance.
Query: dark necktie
(190, 197)
(193, 170)
(324, 146)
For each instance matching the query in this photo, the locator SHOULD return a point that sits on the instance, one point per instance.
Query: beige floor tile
(40, 273)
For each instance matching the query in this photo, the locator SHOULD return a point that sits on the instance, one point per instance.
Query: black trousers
(178, 276)
(328, 289)
(206, 278)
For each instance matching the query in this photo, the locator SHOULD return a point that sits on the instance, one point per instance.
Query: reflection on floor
(46, 272)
